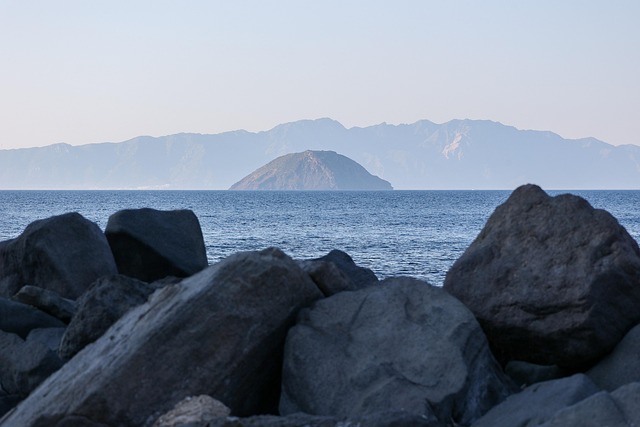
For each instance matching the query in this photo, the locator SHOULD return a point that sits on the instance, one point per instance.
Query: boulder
(537, 403)
(64, 254)
(551, 280)
(620, 408)
(108, 299)
(358, 277)
(621, 366)
(193, 410)
(24, 364)
(327, 277)
(47, 301)
(20, 319)
(380, 419)
(149, 244)
(220, 332)
(403, 345)
(49, 337)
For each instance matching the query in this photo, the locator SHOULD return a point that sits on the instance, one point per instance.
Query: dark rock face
(401, 345)
(108, 299)
(24, 364)
(47, 301)
(550, 279)
(525, 373)
(219, 333)
(621, 366)
(64, 253)
(8, 401)
(20, 319)
(149, 244)
(336, 272)
(537, 403)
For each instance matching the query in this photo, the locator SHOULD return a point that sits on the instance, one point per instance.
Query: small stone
(199, 409)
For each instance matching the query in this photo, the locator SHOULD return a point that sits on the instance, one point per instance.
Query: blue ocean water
(415, 233)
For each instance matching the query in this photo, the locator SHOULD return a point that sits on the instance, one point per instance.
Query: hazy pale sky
(93, 71)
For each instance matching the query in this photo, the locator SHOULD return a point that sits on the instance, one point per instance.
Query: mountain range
(460, 154)
(311, 170)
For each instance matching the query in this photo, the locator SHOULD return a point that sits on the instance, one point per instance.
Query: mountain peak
(312, 170)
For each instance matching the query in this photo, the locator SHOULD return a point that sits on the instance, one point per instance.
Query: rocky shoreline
(536, 324)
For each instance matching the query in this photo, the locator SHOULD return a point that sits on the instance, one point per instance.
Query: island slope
(312, 170)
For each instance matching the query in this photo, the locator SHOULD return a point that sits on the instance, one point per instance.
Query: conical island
(312, 170)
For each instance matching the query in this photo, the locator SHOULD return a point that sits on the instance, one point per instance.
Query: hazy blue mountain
(311, 170)
(460, 154)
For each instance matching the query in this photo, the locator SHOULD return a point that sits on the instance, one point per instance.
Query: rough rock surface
(219, 332)
(537, 403)
(620, 408)
(47, 301)
(24, 364)
(621, 366)
(191, 410)
(64, 253)
(149, 244)
(21, 319)
(359, 277)
(107, 300)
(401, 345)
(550, 279)
(329, 278)
(380, 419)
(337, 272)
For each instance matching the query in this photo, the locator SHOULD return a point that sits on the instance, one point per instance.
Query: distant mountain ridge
(311, 170)
(460, 154)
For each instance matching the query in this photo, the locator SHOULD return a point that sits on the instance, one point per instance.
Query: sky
(80, 72)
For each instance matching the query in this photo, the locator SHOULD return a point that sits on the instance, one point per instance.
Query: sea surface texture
(414, 233)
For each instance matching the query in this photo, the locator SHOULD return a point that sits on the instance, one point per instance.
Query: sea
(409, 233)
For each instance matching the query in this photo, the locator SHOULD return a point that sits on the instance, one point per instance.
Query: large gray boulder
(621, 366)
(550, 279)
(220, 332)
(64, 253)
(537, 403)
(107, 300)
(149, 244)
(401, 345)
